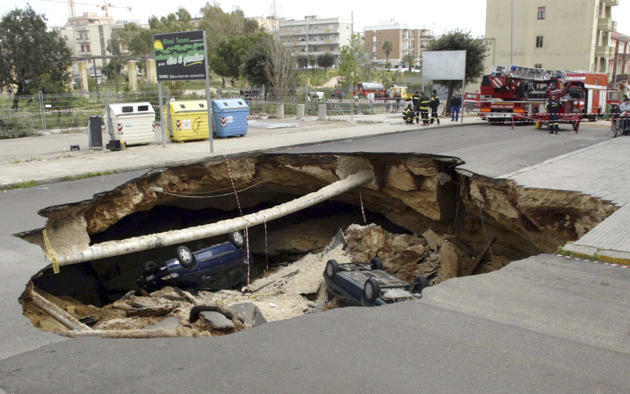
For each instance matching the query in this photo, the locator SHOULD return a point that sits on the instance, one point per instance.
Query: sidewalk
(47, 159)
(601, 170)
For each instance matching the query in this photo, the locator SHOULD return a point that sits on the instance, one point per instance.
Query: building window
(539, 41)
(541, 13)
(538, 65)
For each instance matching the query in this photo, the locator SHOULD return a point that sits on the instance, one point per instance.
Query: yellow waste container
(187, 120)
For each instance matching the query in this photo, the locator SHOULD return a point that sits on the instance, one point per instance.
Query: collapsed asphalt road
(424, 346)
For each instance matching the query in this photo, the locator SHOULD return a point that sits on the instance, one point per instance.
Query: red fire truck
(524, 91)
(509, 90)
(594, 86)
(363, 88)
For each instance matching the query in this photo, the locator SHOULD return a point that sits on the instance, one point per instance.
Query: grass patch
(88, 175)
(19, 185)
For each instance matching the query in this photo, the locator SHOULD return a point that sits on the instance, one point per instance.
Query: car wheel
(332, 267)
(185, 257)
(371, 290)
(150, 267)
(376, 263)
(419, 283)
(237, 239)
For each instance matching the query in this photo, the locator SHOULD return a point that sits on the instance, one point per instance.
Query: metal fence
(42, 113)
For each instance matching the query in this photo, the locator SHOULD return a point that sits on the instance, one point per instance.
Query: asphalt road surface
(487, 150)
(563, 328)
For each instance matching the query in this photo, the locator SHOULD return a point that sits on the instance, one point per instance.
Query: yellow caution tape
(51, 252)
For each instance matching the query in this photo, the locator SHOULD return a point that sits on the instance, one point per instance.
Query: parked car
(369, 285)
(217, 267)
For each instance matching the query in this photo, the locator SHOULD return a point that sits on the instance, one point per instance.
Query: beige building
(87, 35)
(404, 41)
(314, 36)
(552, 34)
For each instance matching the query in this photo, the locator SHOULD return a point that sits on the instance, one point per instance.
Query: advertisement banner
(180, 56)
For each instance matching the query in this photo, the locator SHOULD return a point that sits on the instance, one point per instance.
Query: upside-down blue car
(221, 266)
(369, 285)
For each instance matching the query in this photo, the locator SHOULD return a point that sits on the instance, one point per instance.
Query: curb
(12, 186)
(603, 256)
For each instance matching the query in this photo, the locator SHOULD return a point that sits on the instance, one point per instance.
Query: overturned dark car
(217, 267)
(369, 285)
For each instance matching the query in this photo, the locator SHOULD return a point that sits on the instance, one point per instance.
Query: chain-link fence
(29, 115)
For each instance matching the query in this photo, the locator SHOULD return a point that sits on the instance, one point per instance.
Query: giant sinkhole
(410, 194)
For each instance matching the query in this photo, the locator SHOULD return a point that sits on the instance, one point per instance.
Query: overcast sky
(439, 15)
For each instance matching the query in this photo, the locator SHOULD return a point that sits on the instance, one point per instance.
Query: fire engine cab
(522, 92)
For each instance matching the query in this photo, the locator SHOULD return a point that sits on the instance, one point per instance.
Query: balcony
(606, 24)
(604, 51)
(610, 3)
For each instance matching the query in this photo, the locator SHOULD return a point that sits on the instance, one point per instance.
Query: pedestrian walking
(397, 98)
(456, 104)
(434, 103)
(424, 109)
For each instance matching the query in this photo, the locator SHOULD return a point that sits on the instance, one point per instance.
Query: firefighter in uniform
(553, 109)
(409, 114)
(434, 103)
(415, 100)
(424, 109)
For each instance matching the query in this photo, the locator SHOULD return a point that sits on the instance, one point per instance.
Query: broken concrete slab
(248, 313)
(170, 323)
(217, 320)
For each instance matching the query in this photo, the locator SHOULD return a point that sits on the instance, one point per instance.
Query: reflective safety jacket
(434, 102)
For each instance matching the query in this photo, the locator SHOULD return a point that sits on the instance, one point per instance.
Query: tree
(302, 61)
(409, 60)
(173, 22)
(387, 47)
(137, 39)
(31, 58)
(326, 60)
(353, 61)
(475, 54)
(231, 53)
(254, 65)
(280, 68)
(220, 25)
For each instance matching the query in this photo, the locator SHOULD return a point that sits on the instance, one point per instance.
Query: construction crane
(105, 6)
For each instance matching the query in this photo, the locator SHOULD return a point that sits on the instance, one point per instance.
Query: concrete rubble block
(217, 320)
(399, 178)
(248, 313)
(433, 240)
(364, 242)
(170, 323)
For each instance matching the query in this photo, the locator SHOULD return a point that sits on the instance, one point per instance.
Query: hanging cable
(240, 209)
(362, 208)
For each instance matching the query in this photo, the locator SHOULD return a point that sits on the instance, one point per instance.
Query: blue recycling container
(230, 117)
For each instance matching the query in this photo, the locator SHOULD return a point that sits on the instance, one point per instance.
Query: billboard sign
(444, 65)
(180, 56)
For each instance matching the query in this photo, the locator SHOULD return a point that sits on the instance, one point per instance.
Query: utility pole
(512, 32)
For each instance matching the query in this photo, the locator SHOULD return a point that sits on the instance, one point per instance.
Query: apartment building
(405, 41)
(87, 35)
(314, 36)
(620, 63)
(551, 34)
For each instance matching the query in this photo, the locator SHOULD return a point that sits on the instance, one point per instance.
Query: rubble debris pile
(426, 219)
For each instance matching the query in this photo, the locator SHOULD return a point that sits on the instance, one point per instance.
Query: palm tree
(410, 60)
(387, 48)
